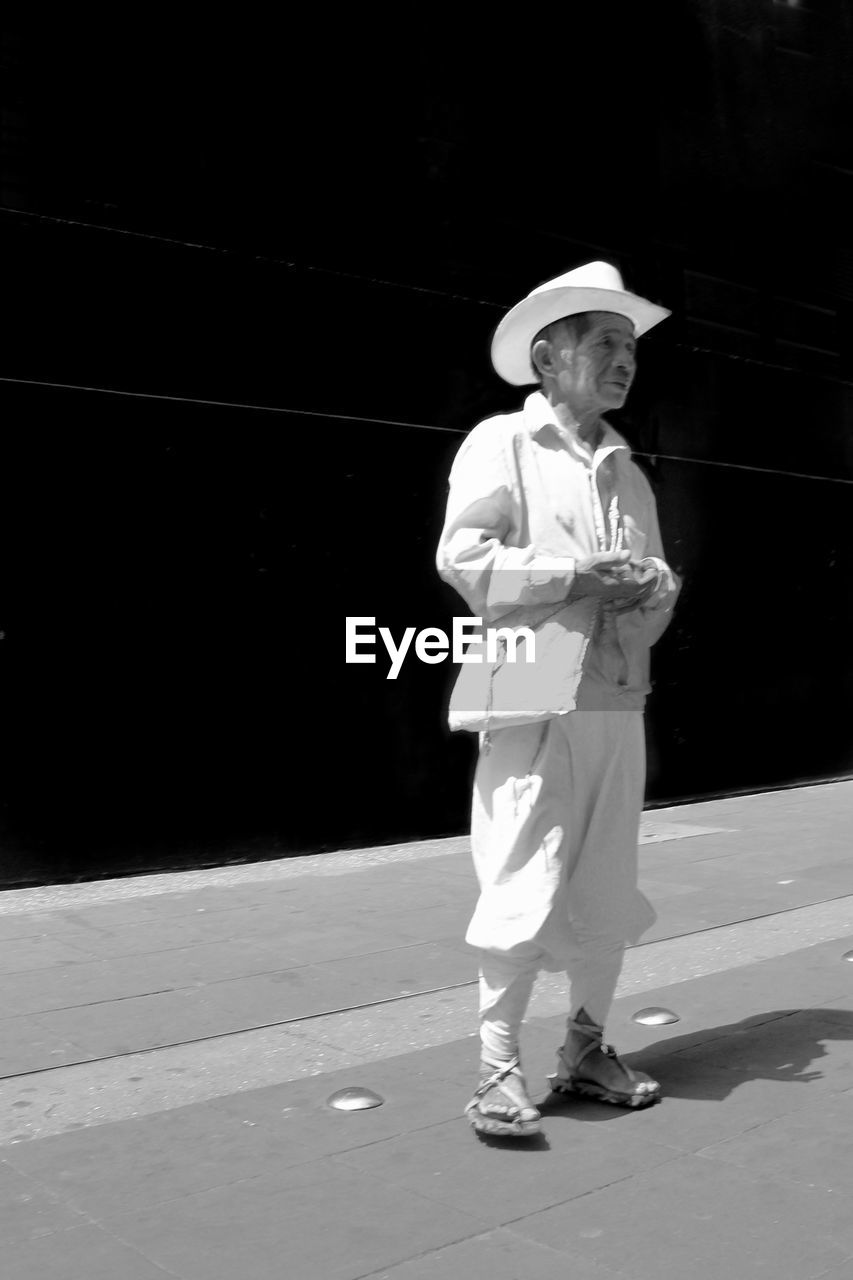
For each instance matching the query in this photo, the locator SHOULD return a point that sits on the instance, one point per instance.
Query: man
(550, 525)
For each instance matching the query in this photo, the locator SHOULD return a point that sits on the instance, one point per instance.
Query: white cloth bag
(495, 695)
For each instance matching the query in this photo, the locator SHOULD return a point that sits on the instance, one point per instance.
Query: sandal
(642, 1090)
(515, 1117)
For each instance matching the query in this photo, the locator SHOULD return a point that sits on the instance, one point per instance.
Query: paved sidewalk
(168, 1043)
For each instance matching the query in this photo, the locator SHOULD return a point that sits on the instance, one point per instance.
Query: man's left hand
(646, 576)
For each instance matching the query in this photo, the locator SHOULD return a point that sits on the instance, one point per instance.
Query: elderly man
(551, 526)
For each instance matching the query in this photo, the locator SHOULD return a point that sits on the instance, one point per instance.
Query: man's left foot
(593, 1069)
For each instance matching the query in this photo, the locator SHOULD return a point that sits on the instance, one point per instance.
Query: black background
(292, 244)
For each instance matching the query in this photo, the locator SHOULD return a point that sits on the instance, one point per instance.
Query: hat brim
(515, 333)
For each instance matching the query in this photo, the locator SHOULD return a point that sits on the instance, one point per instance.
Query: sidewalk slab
(315, 1220)
(742, 1170)
(41, 952)
(112, 1168)
(268, 942)
(499, 1255)
(811, 1147)
(28, 1210)
(88, 1251)
(499, 1182)
(415, 1098)
(696, 1217)
(121, 1026)
(25, 1045)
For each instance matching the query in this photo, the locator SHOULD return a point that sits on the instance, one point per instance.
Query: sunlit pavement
(168, 1045)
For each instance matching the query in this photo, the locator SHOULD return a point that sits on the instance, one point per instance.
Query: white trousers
(554, 832)
(506, 985)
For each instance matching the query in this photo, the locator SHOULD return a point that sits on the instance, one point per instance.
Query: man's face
(598, 371)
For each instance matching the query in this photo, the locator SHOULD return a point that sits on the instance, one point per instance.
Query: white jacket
(524, 506)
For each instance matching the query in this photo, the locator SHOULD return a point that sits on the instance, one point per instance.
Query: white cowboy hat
(596, 286)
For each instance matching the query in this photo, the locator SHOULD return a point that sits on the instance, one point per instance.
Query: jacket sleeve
(657, 610)
(476, 552)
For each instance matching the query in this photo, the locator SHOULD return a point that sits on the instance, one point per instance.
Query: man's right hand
(605, 575)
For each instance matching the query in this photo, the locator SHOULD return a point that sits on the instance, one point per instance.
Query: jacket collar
(539, 416)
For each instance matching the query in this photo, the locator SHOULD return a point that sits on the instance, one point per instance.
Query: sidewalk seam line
(635, 946)
(346, 1009)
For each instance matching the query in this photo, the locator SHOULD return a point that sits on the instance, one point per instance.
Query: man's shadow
(780, 1045)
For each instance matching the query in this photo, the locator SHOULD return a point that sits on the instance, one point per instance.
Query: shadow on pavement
(537, 1142)
(780, 1045)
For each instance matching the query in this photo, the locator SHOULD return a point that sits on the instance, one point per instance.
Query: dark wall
(194, 225)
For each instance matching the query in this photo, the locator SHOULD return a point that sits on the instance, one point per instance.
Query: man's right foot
(501, 1106)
